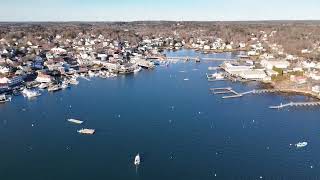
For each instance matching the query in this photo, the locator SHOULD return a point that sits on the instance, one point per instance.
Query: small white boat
(4, 98)
(216, 76)
(137, 160)
(64, 85)
(43, 86)
(301, 144)
(186, 79)
(86, 131)
(76, 121)
(91, 74)
(74, 81)
(137, 69)
(30, 93)
(54, 88)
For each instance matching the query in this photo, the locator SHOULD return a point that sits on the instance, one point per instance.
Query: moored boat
(54, 88)
(30, 93)
(73, 81)
(43, 86)
(86, 131)
(301, 144)
(76, 121)
(4, 98)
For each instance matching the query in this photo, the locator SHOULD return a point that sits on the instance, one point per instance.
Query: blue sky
(131, 10)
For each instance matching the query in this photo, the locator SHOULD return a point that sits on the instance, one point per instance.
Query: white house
(58, 50)
(242, 45)
(305, 51)
(43, 78)
(4, 80)
(316, 89)
(308, 65)
(4, 70)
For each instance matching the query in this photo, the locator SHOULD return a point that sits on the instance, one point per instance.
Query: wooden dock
(296, 104)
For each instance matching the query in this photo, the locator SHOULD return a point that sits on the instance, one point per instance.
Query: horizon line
(129, 21)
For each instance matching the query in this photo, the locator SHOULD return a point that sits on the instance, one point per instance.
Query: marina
(179, 120)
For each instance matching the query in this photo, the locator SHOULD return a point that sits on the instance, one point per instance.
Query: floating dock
(226, 90)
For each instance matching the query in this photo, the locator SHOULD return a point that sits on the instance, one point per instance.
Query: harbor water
(169, 117)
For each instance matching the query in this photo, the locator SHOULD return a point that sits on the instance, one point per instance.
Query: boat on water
(73, 81)
(137, 160)
(92, 74)
(54, 88)
(30, 93)
(86, 131)
(216, 76)
(137, 69)
(76, 121)
(4, 98)
(301, 144)
(65, 85)
(43, 86)
(186, 79)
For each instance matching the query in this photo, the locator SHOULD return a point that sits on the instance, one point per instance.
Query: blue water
(180, 130)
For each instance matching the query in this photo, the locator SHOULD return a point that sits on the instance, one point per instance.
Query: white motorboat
(76, 121)
(137, 69)
(74, 81)
(43, 86)
(86, 131)
(301, 144)
(137, 160)
(4, 98)
(54, 88)
(30, 93)
(65, 85)
(216, 76)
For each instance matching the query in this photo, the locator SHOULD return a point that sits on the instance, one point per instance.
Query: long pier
(234, 94)
(229, 90)
(295, 104)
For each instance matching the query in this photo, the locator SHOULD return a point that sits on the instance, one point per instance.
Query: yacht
(137, 160)
(54, 88)
(4, 98)
(30, 93)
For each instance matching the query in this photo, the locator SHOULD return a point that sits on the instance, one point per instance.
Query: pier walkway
(229, 90)
(226, 90)
(295, 104)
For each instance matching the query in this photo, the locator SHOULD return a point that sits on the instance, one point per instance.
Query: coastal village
(55, 63)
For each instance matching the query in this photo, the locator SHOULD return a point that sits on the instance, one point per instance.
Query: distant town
(52, 56)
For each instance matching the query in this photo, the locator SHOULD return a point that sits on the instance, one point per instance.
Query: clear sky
(132, 10)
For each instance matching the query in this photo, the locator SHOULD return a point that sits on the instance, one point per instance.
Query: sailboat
(137, 160)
